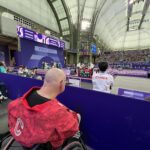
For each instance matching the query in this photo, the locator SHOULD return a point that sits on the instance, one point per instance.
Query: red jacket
(50, 121)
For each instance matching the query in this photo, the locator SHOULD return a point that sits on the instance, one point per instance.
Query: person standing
(102, 81)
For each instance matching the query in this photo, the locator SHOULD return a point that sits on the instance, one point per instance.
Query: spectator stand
(85, 73)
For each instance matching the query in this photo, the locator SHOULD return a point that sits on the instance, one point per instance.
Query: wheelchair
(7, 142)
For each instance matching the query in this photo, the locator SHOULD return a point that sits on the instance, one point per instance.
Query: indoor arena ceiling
(120, 24)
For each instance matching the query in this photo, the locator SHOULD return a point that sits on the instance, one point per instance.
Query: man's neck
(102, 71)
(47, 94)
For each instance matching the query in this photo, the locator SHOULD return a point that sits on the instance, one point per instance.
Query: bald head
(54, 75)
(54, 83)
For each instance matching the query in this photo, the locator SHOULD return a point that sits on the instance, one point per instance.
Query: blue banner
(133, 94)
(40, 38)
(93, 48)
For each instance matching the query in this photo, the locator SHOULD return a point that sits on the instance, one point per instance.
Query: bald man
(54, 84)
(38, 117)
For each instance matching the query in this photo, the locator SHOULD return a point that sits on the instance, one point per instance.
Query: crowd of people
(80, 70)
(126, 56)
(20, 70)
(26, 72)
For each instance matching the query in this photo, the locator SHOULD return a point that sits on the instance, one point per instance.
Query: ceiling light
(85, 25)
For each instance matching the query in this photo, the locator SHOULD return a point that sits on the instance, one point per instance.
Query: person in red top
(38, 117)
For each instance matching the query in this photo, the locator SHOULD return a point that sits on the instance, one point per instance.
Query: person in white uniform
(102, 81)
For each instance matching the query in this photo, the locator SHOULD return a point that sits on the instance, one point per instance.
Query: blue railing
(109, 122)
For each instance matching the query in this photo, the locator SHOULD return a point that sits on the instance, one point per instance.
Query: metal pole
(78, 30)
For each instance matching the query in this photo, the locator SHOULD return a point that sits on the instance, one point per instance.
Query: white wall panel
(37, 10)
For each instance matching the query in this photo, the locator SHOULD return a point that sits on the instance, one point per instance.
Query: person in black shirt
(35, 99)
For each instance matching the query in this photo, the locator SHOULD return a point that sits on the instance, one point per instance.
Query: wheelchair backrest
(9, 143)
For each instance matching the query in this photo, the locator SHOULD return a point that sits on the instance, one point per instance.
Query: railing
(108, 122)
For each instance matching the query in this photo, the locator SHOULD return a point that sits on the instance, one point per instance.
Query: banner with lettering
(40, 38)
(133, 94)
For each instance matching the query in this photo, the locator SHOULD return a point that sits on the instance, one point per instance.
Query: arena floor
(133, 83)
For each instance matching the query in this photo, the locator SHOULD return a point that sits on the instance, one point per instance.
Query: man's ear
(60, 86)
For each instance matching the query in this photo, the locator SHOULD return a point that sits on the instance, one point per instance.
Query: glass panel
(64, 24)
(73, 9)
(66, 32)
(59, 9)
(36, 10)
